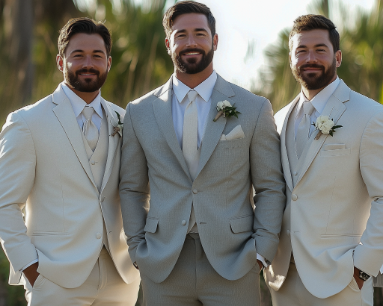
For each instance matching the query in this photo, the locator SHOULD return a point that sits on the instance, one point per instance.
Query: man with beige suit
(60, 162)
(331, 241)
(194, 233)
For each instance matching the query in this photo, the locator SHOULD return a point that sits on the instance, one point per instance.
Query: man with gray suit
(201, 144)
(331, 241)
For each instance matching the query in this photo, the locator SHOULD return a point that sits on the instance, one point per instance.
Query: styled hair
(315, 22)
(83, 25)
(187, 7)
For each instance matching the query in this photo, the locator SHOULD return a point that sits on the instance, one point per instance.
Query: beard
(311, 81)
(88, 84)
(190, 66)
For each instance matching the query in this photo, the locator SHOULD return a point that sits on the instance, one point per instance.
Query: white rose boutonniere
(326, 126)
(226, 109)
(118, 128)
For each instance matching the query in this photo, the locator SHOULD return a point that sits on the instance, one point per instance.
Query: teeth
(192, 53)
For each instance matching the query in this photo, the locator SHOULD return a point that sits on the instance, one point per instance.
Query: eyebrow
(94, 51)
(316, 46)
(195, 30)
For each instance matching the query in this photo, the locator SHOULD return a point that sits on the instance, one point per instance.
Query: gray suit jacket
(231, 231)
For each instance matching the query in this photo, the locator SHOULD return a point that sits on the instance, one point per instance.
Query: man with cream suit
(331, 241)
(60, 162)
(194, 234)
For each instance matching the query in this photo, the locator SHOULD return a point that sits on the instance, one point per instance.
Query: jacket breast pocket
(242, 224)
(151, 225)
(335, 149)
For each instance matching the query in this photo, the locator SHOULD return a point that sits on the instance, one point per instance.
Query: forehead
(190, 21)
(85, 42)
(311, 38)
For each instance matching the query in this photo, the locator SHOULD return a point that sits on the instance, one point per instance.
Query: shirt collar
(78, 104)
(205, 89)
(320, 100)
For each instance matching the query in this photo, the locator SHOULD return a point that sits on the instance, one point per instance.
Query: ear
(109, 62)
(215, 41)
(167, 45)
(338, 58)
(60, 62)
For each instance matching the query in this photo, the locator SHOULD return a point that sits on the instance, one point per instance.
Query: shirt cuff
(262, 259)
(28, 265)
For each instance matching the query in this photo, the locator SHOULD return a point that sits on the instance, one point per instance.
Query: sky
(241, 24)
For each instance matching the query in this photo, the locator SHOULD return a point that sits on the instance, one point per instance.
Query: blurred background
(252, 52)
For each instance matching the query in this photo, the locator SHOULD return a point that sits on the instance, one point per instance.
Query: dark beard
(88, 85)
(191, 66)
(311, 81)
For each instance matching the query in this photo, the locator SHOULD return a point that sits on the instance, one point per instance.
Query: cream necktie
(304, 128)
(189, 134)
(89, 128)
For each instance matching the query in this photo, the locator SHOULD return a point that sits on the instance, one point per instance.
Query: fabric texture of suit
(334, 214)
(231, 232)
(44, 167)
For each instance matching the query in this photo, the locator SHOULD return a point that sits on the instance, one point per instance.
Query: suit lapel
(213, 131)
(334, 109)
(285, 156)
(112, 120)
(64, 113)
(162, 108)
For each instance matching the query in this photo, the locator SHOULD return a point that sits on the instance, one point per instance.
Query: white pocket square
(236, 133)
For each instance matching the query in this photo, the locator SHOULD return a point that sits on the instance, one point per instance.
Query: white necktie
(89, 128)
(304, 128)
(189, 134)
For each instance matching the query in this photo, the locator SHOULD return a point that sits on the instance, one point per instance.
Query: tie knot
(307, 108)
(192, 94)
(88, 112)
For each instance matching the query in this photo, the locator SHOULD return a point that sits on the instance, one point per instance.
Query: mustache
(90, 70)
(192, 50)
(311, 66)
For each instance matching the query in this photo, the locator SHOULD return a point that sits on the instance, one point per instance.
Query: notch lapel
(162, 108)
(334, 109)
(113, 142)
(65, 115)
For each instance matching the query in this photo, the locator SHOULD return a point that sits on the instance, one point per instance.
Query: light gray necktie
(304, 128)
(189, 134)
(89, 128)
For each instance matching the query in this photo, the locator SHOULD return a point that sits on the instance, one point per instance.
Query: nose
(87, 62)
(191, 41)
(311, 58)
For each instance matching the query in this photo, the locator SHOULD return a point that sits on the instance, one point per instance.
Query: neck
(88, 97)
(311, 93)
(193, 80)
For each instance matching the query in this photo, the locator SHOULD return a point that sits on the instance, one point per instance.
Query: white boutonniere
(226, 109)
(118, 128)
(326, 126)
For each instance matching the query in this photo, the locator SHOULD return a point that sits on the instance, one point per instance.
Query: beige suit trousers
(194, 282)
(294, 293)
(103, 287)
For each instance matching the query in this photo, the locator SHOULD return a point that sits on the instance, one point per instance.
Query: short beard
(191, 66)
(311, 81)
(88, 85)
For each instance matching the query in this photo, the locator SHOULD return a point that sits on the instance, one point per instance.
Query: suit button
(183, 222)
(294, 197)
(92, 162)
(195, 191)
(98, 236)
(288, 233)
(295, 173)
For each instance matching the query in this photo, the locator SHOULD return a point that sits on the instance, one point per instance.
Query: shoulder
(115, 108)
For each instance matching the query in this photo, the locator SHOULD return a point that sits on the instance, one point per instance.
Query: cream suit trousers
(103, 287)
(294, 293)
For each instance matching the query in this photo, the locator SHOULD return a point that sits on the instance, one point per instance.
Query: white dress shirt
(319, 102)
(78, 105)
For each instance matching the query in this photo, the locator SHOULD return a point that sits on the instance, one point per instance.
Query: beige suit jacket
(44, 169)
(334, 213)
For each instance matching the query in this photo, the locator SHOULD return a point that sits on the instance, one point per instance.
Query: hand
(358, 280)
(31, 273)
(260, 264)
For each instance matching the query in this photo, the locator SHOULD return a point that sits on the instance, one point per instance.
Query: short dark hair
(187, 7)
(314, 22)
(83, 25)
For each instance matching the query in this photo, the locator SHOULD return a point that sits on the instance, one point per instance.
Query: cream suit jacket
(334, 213)
(44, 168)
(231, 231)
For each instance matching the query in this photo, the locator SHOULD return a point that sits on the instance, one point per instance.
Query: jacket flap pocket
(334, 146)
(242, 224)
(151, 225)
